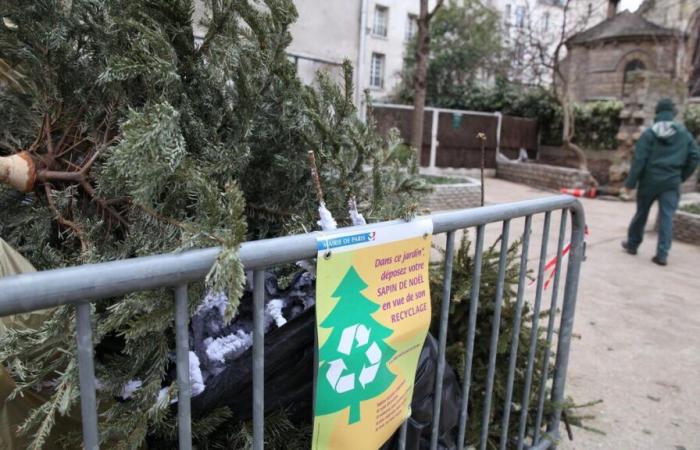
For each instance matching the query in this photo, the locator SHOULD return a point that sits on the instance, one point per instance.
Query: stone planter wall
(686, 227)
(543, 176)
(453, 196)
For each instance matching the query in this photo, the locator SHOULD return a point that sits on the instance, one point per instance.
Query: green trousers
(668, 203)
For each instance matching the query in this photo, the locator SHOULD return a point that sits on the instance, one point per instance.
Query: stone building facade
(610, 60)
(638, 56)
(684, 16)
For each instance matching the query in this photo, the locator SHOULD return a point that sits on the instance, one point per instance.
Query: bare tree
(419, 80)
(549, 52)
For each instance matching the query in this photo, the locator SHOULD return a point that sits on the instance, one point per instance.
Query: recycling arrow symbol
(354, 337)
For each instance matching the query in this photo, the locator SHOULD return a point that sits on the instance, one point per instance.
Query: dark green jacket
(665, 156)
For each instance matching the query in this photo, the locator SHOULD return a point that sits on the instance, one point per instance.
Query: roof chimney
(612, 7)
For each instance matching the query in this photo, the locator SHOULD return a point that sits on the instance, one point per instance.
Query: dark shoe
(628, 249)
(659, 261)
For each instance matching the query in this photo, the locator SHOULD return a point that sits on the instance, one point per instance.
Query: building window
(545, 20)
(520, 16)
(629, 79)
(411, 27)
(381, 21)
(376, 75)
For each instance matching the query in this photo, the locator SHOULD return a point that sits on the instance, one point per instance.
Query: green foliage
(436, 179)
(597, 124)
(507, 98)
(691, 119)
(465, 43)
(183, 146)
(692, 208)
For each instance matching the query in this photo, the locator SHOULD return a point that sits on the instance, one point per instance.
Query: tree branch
(102, 203)
(438, 5)
(79, 233)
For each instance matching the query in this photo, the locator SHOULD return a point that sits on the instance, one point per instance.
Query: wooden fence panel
(517, 133)
(458, 142)
(458, 145)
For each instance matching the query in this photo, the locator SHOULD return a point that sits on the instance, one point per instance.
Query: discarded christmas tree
(130, 139)
(355, 354)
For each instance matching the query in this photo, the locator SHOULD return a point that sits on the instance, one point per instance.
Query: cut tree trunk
(18, 171)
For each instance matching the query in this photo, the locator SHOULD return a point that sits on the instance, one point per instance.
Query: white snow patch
(327, 222)
(273, 311)
(219, 347)
(196, 381)
(217, 300)
(356, 217)
(163, 395)
(308, 266)
(131, 387)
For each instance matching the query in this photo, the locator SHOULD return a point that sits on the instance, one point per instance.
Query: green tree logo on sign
(355, 355)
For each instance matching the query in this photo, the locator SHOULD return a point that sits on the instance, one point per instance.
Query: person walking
(665, 156)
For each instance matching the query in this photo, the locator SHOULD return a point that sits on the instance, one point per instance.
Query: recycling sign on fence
(372, 315)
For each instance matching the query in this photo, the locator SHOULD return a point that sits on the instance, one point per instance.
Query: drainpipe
(360, 71)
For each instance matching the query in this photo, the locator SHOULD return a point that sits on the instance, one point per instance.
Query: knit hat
(665, 110)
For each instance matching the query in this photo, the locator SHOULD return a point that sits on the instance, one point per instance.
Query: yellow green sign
(373, 314)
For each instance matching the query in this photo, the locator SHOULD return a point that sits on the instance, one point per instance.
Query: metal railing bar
(258, 359)
(86, 374)
(522, 276)
(442, 340)
(402, 435)
(41, 290)
(471, 331)
(578, 226)
(550, 328)
(495, 329)
(533, 331)
(90, 283)
(182, 347)
(542, 445)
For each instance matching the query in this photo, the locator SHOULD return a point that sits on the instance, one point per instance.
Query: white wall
(326, 33)
(393, 46)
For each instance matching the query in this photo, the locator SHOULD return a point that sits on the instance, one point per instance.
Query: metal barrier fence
(90, 283)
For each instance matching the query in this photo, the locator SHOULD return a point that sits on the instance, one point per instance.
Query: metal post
(86, 374)
(550, 328)
(471, 331)
(533, 333)
(512, 359)
(578, 225)
(402, 435)
(182, 344)
(444, 313)
(258, 359)
(495, 329)
(499, 129)
(433, 139)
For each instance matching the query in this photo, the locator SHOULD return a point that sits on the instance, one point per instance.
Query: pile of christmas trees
(121, 137)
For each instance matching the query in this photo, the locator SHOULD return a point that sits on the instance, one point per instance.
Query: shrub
(693, 208)
(597, 124)
(691, 118)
